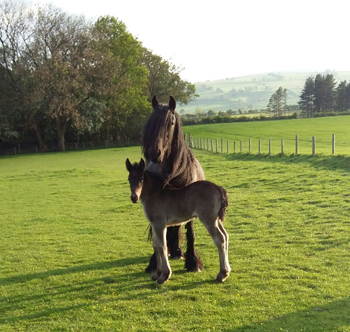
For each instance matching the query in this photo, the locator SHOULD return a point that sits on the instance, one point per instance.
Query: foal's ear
(128, 164)
(155, 102)
(172, 103)
(142, 164)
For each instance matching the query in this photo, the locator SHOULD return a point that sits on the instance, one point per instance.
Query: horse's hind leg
(173, 236)
(220, 237)
(193, 262)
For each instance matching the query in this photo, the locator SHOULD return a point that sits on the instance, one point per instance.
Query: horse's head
(160, 130)
(136, 175)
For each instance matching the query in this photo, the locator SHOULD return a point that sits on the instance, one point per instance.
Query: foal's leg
(222, 229)
(152, 266)
(163, 272)
(220, 237)
(193, 262)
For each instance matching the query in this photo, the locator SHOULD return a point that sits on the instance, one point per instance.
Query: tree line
(64, 77)
(322, 95)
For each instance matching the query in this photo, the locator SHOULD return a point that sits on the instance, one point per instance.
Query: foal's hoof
(222, 276)
(155, 276)
(162, 279)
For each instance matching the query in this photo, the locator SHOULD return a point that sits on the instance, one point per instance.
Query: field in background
(73, 247)
(321, 128)
(251, 92)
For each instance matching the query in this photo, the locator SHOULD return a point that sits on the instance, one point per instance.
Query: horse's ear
(172, 103)
(155, 102)
(128, 164)
(142, 164)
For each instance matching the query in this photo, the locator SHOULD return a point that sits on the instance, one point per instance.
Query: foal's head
(136, 175)
(160, 130)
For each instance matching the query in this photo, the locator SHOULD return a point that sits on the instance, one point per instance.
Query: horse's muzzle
(134, 198)
(156, 158)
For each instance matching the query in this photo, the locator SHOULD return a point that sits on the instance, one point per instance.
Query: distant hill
(250, 92)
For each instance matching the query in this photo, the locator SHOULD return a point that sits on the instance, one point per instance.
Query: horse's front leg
(173, 237)
(193, 262)
(163, 271)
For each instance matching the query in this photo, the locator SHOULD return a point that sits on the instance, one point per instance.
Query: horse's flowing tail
(224, 203)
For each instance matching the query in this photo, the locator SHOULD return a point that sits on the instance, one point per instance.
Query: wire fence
(272, 146)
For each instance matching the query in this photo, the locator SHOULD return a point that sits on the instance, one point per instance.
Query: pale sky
(218, 39)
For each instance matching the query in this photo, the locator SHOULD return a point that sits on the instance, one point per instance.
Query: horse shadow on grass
(332, 163)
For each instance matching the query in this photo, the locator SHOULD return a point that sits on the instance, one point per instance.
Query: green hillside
(250, 92)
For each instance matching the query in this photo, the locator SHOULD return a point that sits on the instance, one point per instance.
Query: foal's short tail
(224, 203)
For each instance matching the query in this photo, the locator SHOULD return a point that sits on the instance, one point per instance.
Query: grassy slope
(214, 94)
(73, 247)
(321, 128)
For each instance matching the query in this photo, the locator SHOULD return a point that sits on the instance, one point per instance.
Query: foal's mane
(178, 157)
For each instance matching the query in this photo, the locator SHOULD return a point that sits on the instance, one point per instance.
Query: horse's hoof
(195, 265)
(178, 254)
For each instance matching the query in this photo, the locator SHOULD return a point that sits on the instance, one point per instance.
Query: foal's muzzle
(134, 198)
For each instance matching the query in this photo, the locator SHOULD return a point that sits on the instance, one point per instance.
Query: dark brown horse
(168, 207)
(168, 156)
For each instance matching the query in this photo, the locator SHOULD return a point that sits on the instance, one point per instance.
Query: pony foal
(169, 207)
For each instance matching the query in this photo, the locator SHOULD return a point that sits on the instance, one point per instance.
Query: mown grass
(74, 248)
(321, 128)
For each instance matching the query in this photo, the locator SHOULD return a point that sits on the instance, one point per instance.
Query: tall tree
(324, 92)
(278, 102)
(307, 96)
(164, 80)
(16, 33)
(343, 96)
(128, 104)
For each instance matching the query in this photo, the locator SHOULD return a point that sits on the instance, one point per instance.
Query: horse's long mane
(178, 158)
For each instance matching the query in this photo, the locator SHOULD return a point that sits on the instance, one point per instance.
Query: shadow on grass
(333, 316)
(74, 269)
(332, 163)
(123, 284)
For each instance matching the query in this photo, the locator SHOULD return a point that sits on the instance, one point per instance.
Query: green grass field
(74, 247)
(321, 128)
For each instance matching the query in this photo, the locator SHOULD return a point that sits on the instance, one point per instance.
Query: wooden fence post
(296, 144)
(333, 144)
(313, 145)
(282, 146)
(211, 143)
(216, 146)
(234, 146)
(207, 144)
(222, 147)
(259, 146)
